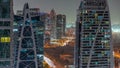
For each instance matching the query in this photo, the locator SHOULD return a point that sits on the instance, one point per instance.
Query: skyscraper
(93, 35)
(60, 25)
(6, 43)
(48, 28)
(53, 24)
(29, 49)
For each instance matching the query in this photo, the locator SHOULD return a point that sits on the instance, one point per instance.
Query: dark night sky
(67, 7)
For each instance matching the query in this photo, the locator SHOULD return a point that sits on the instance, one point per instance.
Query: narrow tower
(30, 49)
(6, 44)
(53, 24)
(60, 25)
(93, 35)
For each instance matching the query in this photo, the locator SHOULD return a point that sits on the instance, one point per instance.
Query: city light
(54, 34)
(117, 55)
(50, 62)
(5, 39)
(116, 28)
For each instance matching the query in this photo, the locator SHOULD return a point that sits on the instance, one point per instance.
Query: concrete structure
(93, 35)
(6, 41)
(29, 46)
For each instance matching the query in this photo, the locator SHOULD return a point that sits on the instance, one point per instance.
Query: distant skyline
(67, 7)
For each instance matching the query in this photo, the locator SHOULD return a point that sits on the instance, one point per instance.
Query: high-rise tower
(93, 35)
(29, 51)
(60, 25)
(53, 24)
(6, 44)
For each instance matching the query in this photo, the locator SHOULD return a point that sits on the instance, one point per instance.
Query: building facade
(93, 35)
(53, 24)
(60, 26)
(45, 17)
(6, 42)
(29, 46)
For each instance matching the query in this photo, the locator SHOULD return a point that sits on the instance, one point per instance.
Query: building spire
(52, 12)
(26, 6)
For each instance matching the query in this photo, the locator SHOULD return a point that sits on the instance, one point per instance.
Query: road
(61, 56)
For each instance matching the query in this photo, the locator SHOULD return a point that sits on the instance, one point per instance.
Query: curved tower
(93, 35)
(30, 49)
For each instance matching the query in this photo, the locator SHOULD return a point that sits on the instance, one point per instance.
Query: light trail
(50, 63)
(117, 55)
(67, 41)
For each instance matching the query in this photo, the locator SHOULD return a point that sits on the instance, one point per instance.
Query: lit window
(96, 15)
(100, 17)
(5, 39)
(107, 36)
(96, 62)
(105, 41)
(86, 11)
(107, 22)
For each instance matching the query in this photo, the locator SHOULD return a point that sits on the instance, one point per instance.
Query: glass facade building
(60, 25)
(30, 40)
(93, 35)
(6, 19)
(53, 24)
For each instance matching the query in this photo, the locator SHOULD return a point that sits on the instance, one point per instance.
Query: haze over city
(67, 7)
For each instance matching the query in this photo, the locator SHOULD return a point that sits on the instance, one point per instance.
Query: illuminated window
(103, 53)
(100, 17)
(4, 39)
(105, 41)
(107, 36)
(96, 15)
(86, 11)
(96, 62)
(107, 22)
